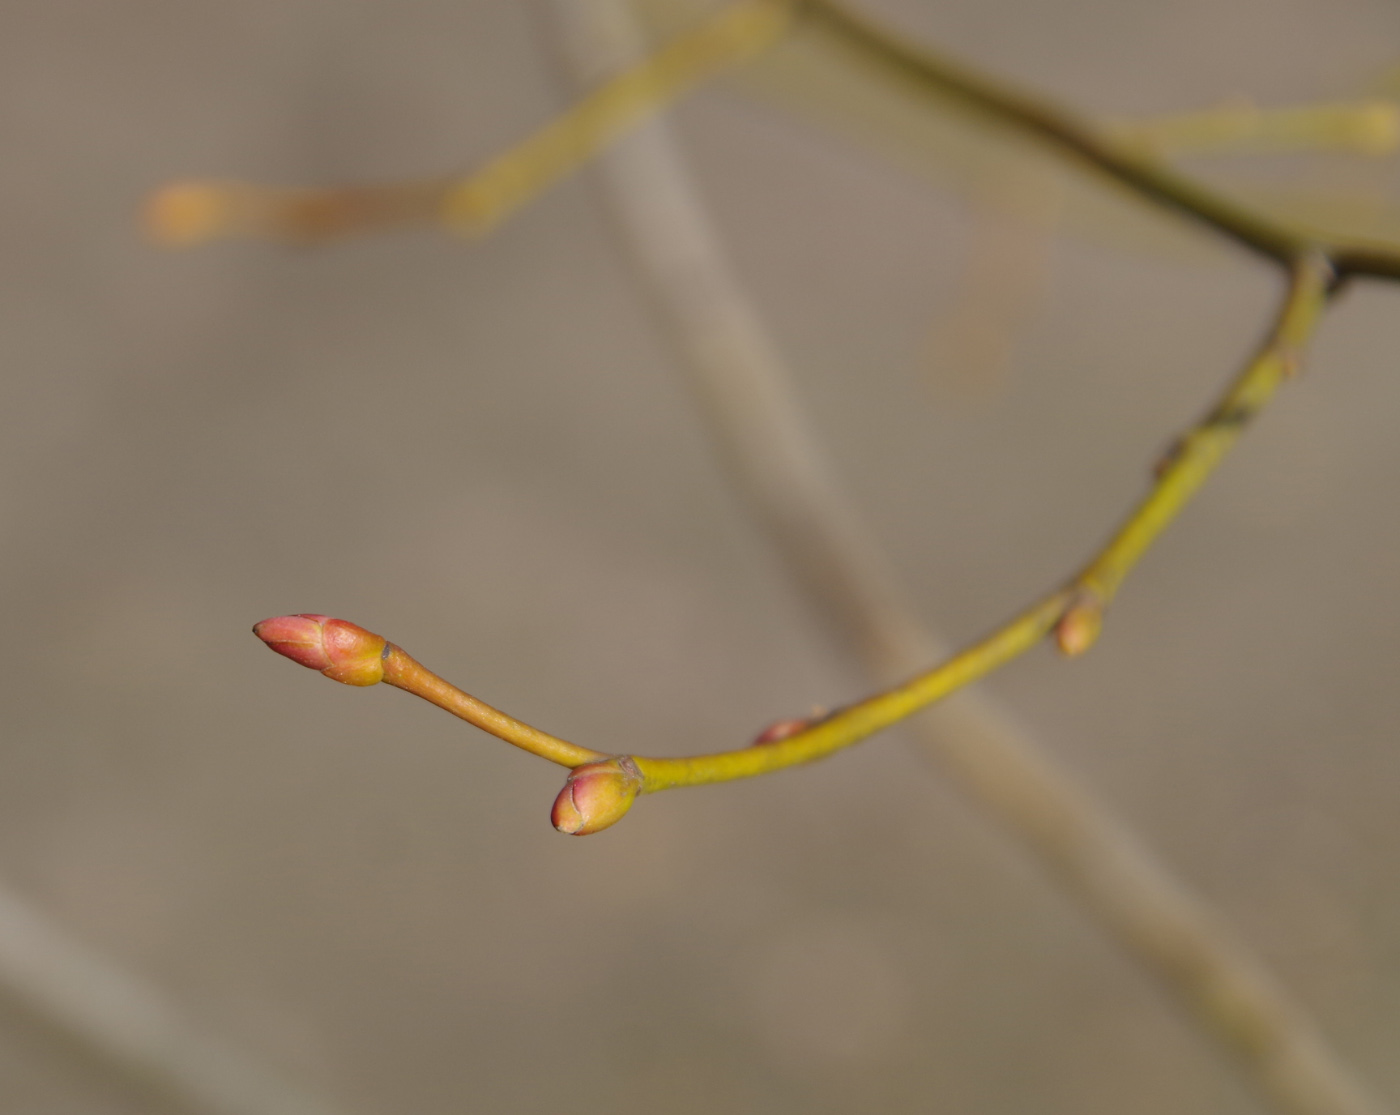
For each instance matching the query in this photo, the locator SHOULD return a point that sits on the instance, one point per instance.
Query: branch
(195, 212)
(892, 54)
(743, 385)
(1225, 990)
(780, 472)
(1073, 613)
(130, 1026)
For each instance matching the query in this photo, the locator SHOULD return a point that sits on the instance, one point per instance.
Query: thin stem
(738, 32)
(899, 57)
(128, 1025)
(855, 722)
(186, 213)
(406, 673)
(1196, 454)
(780, 473)
(1080, 604)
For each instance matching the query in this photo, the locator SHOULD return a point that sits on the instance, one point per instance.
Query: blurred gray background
(485, 452)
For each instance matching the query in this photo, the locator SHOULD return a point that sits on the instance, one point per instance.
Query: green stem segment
(1196, 454)
(1079, 603)
(1196, 457)
(1074, 612)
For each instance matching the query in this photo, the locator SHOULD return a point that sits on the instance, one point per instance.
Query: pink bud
(596, 795)
(1079, 627)
(782, 729)
(339, 649)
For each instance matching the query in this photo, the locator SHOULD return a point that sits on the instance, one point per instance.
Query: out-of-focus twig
(106, 1013)
(1016, 213)
(878, 50)
(778, 467)
(193, 212)
(1369, 126)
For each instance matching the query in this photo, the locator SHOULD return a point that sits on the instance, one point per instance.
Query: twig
(194, 212)
(1074, 612)
(748, 396)
(1238, 1002)
(106, 1012)
(885, 51)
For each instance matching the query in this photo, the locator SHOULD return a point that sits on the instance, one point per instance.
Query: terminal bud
(341, 650)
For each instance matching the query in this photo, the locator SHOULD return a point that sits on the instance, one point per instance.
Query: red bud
(339, 649)
(596, 795)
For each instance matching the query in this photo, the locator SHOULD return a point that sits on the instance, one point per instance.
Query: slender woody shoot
(184, 214)
(1235, 1001)
(602, 786)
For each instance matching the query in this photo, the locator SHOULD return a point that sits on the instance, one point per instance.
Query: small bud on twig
(339, 649)
(596, 795)
(1079, 627)
(781, 729)
(784, 729)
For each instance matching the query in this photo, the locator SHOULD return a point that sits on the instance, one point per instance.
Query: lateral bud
(1078, 629)
(596, 795)
(783, 729)
(341, 650)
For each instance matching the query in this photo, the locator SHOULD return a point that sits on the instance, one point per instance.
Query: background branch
(875, 47)
(105, 1013)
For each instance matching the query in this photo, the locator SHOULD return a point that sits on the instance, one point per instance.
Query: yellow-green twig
(1196, 454)
(779, 471)
(912, 64)
(854, 723)
(1075, 610)
(736, 33)
(194, 212)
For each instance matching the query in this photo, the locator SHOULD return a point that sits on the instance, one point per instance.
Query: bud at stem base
(596, 795)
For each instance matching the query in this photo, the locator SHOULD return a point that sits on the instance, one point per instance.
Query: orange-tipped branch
(347, 653)
(184, 214)
(189, 213)
(601, 787)
(405, 673)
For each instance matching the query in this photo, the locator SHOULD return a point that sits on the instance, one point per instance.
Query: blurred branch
(107, 1013)
(888, 52)
(1017, 211)
(749, 399)
(194, 212)
(1364, 127)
